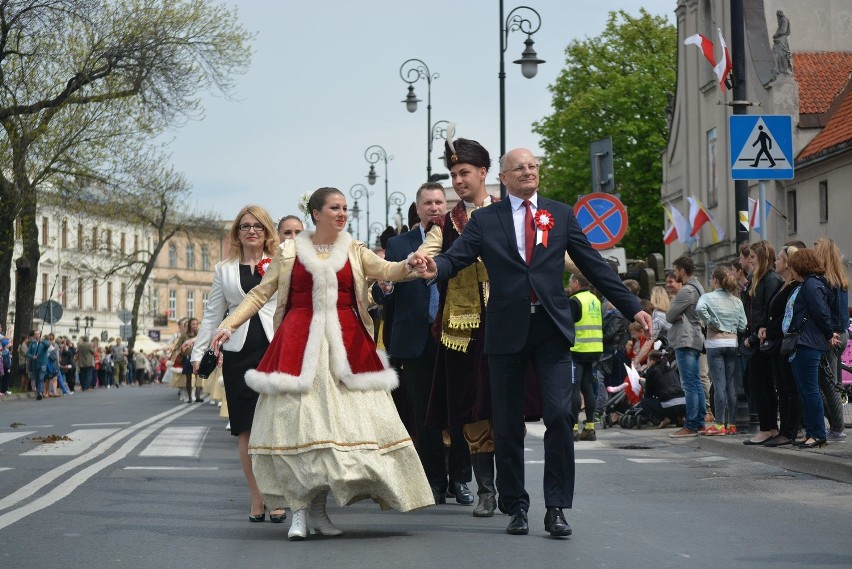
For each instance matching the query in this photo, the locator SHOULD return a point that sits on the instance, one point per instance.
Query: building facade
(815, 92)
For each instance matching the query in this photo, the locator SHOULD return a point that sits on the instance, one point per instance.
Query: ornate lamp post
(438, 132)
(373, 154)
(90, 321)
(354, 214)
(529, 60)
(376, 229)
(357, 192)
(412, 71)
(397, 199)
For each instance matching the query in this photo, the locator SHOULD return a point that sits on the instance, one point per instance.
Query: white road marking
(711, 459)
(648, 460)
(589, 461)
(35, 485)
(536, 429)
(6, 437)
(81, 440)
(177, 441)
(533, 462)
(171, 468)
(99, 424)
(64, 489)
(4, 468)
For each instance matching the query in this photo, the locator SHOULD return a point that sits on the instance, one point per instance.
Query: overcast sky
(324, 85)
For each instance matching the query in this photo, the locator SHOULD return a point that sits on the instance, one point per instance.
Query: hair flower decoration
(304, 200)
(544, 221)
(261, 266)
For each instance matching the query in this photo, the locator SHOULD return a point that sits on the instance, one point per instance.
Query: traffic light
(436, 177)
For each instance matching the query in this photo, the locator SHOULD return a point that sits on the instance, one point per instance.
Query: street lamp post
(438, 132)
(373, 154)
(354, 214)
(411, 71)
(357, 192)
(529, 60)
(377, 229)
(397, 199)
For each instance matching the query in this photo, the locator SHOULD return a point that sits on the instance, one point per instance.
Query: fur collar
(313, 262)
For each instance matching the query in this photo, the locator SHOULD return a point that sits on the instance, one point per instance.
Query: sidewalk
(833, 461)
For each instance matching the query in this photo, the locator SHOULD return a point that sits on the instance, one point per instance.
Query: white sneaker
(228, 426)
(298, 527)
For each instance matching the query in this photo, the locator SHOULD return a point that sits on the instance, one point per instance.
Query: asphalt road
(146, 482)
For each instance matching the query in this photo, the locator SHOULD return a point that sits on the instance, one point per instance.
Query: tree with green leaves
(80, 80)
(616, 85)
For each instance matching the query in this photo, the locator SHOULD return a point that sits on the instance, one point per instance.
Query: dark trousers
(86, 378)
(6, 381)
(654, 408)
(789, 403)
(762, 390)
(550, 354)
(585, 382)
(417, 375)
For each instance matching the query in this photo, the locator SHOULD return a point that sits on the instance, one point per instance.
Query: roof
(837, 133)
(821, 76)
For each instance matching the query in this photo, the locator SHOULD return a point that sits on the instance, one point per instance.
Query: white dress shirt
(519, 212)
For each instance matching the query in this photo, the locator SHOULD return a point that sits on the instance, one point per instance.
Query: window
(64, 242)
(79, 293)
(123, 299)
(712, 188)
(190, 304)
(792, 213)
(45, 230)
(109, 240)
(172, 304)
(205, 258)
(64, 290)
(94, 294)
(80, 237)
(109, 296)
(205, 298)
(190, 256)
(172, 256)
(94, 239)
(823, 201)
(44, 287)
(155, 302)
(123, 243)
(135, 245)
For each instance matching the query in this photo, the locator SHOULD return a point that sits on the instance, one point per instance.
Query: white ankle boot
(298, 527)
(318, 519)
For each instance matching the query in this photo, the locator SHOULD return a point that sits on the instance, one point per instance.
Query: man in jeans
(119, 361)
(687, 340)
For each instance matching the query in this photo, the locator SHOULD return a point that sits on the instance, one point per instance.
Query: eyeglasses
(246, 227)
(525, 168)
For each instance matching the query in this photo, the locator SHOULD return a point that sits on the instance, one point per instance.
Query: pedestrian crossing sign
(761, 147)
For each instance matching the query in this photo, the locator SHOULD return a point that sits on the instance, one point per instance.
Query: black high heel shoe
(259, 517)
(815, 443)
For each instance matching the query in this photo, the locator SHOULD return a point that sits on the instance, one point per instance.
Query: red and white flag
(723, 68)
(705, 45)
(754, 214)
(698, 216)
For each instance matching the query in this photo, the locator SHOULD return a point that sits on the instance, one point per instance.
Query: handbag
(207, 364)
(791, 338)
(767, 345)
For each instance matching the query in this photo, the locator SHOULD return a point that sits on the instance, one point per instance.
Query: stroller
(625, 401)
(845, 384)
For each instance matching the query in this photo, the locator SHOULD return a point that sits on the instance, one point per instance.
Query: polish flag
(679, 229)
(670, 234)
(705, 45)
(724, 67)
(753, 214)
(698, 215)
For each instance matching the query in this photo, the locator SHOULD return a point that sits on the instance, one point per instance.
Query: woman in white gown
(325, 421)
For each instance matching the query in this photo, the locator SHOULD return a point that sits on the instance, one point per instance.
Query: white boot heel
(318, 520)
(298, 527)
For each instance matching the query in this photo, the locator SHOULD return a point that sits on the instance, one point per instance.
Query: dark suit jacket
(490, 234)
(409, 327)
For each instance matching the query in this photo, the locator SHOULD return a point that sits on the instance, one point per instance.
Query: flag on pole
(723, 68)
(754, 214)
(670, 234)
(679, 229)
(705, 45)
(698, 216)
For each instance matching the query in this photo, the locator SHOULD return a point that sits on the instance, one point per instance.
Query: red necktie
(529, 239)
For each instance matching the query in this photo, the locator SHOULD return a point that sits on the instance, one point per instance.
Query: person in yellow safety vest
(587, 349)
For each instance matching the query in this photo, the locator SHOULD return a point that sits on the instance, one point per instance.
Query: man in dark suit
(523, 241)
(413, 308)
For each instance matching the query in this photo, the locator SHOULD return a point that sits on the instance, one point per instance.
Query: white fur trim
(324, 324)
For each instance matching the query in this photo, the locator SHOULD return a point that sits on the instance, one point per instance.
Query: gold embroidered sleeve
(257, 297)
(432, 244)
(378, 269)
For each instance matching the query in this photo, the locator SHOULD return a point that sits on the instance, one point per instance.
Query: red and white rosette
(261, 266)
(544, 222)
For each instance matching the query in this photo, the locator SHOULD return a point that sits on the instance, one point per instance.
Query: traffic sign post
(603, 218)
(761, 147)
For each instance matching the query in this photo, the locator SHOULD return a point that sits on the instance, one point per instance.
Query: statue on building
(781, 47)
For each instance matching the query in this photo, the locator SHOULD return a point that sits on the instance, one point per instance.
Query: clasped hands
(424, 265)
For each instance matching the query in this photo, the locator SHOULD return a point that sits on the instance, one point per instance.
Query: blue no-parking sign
(761, 147)
(603, 218)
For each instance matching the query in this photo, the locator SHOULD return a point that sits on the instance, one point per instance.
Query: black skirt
(241, 398)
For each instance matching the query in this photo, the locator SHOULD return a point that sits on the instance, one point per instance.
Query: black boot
(483, 471)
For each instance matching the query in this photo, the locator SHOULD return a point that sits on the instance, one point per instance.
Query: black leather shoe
(518, 525)
(554, 522)
(462, 493)
(439, 496)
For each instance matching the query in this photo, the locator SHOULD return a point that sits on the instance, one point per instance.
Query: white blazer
(225, 295)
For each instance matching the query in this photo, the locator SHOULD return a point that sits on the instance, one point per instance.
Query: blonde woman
(254, 242)
(828, 253)
(325, 421)
(661, 302)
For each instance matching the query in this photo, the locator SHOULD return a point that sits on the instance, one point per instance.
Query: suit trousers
(417, 374)
(549, 352)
